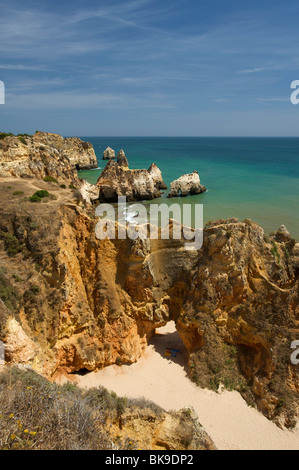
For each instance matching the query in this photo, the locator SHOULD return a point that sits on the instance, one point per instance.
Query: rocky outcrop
(88, 193)
(122, 159)
(185, 185)
(156, 175)
(108, 154)
(118, 180)
(94, 419)
(241, 315)
(88, 303)
(157, 430)
(44, 155)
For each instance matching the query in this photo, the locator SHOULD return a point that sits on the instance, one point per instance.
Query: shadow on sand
(162, 342)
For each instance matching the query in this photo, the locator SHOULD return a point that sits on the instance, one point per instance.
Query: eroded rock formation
(118, 180)
(43, 155)
(108, 153)
(186, 184)
(88, 303)
(122, 159)
(163, 431)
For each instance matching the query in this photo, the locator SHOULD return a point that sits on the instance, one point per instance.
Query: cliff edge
(45, 155)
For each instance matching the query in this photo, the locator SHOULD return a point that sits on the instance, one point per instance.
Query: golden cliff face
(45, 154)
(241, 315)
(85, 303)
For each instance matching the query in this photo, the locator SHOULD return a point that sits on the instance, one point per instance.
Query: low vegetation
(50, 179)
(9, 134)
(11, 243)
(36, 414)
(39, 195)
(8, 295)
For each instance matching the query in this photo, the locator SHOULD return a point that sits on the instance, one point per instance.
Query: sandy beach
(226, 417)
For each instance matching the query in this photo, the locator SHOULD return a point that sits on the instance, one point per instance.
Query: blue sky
(150, 68)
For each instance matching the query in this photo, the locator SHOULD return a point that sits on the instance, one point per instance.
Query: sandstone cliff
(73, 302)
(45, 154)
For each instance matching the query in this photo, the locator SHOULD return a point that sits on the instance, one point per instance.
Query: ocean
(254, 178)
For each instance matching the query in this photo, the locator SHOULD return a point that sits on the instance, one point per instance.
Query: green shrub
(35, 198)
(7, 293)
(21, 139)
(3, 135)
(20, 136)
(42, 193)
(39, 195)
(11, 243)
(18, 193)
(34, 289)
(50, 179)
(275, 253)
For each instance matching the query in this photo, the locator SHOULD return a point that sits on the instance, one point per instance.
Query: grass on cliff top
(9, 134)
(50, 179)
(39, 415)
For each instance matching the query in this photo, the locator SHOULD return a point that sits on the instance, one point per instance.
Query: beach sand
(226, 417)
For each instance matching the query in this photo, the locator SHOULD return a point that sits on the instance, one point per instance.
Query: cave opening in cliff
(168, 343)
(81, 372)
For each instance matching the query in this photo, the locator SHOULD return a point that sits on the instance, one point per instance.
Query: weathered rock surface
(122, 159)
(108, 153)
(45, 154)
(88, 303)
(155, 430)
(94, 419)
(89, 193)
(241, 315)
(118, 180)
(156, 175)
(186, 184)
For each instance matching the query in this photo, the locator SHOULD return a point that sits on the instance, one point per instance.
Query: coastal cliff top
(44, 154)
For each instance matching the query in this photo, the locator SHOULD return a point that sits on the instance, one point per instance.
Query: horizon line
(191, 136)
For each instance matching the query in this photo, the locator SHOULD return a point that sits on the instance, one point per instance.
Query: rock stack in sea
(118, 180)
(188, 184)
(122, 159)
(108, 153)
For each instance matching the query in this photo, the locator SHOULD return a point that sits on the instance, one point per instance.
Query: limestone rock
(235, 301)
(282, 234)
(156, 174)
(89, 192)
(157, 430)
(186, 184)
(118, 180)
(19, 348)
(108, 153)
(122, 159)
(45, 154)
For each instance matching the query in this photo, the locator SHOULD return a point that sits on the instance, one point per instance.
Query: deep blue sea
(255, 178)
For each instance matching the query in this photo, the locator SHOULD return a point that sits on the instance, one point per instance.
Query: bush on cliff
(39, 195)
(36, 414)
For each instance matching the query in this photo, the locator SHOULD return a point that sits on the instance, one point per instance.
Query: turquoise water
(255, 178)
